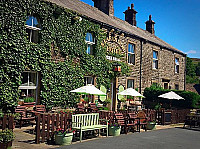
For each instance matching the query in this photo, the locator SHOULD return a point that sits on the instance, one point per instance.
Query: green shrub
(6, 136)
(29, 99)
(1, 113)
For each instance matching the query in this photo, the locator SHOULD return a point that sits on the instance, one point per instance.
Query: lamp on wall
(77, 18)
(117, 67)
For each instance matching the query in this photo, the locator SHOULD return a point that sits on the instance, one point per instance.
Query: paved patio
(25, 139)
(173, 138)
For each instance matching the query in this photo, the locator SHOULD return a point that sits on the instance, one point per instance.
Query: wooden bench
(87, 122)
(24, 116)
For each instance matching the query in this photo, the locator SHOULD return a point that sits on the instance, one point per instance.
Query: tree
(190, 68)
(198, 69)
(190, 72)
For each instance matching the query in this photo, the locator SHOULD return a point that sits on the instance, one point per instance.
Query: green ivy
(17, 54)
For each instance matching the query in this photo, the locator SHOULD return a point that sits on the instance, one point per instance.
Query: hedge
(151, 94)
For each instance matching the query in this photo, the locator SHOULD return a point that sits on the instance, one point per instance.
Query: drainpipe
(185, 73)
(141, 46)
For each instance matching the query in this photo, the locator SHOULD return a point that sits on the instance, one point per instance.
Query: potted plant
(64, 137)
(151, 125)
(6, 138)
(114, 129)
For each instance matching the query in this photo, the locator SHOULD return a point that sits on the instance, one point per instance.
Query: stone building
(151, 59)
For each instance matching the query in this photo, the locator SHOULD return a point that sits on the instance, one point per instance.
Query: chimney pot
(105, 6)
(130, 15)
(132, 6)
(150, 25)
(150, 17)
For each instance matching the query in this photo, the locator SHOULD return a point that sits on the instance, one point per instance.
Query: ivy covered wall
(58, 76)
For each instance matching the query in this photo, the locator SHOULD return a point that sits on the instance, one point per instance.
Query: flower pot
(61, 139)
(114, 131)
(5, 145)
(21, 102)
(151, 125)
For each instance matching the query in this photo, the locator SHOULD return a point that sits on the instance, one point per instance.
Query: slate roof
(97, 15)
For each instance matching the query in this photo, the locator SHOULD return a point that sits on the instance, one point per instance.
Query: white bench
(87, 122)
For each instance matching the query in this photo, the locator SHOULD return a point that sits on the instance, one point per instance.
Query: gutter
(110, 26)
(185, 73)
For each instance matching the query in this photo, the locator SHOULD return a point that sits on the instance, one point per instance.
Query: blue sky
(177, 21)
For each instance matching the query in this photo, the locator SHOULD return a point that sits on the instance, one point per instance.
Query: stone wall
(166, 63)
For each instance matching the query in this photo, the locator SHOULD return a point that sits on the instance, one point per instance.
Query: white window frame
(89, 43)
(28, 87)
(133, 85)
(131, 53)
(86, 83)
(32, 28)
(155, 60)
(177, 66)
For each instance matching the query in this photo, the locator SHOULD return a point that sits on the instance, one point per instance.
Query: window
(130, 83)
(176, 65)
(32, 28)
(155, 59)
(166, 85)
(88, 80)
(29, 85)
(131, 53)
(89, 39)
(176, 87)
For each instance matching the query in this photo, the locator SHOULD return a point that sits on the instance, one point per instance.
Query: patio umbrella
(171, 95)
(89, 89)
(130, 92)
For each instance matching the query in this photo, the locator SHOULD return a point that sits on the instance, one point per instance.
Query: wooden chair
(80, 108)
(24, 116)
(123, 122)
(132, 120)
(141, 120)
(93, 108)
(40, 108)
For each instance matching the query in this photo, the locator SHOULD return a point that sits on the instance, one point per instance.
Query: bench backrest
(86, 119)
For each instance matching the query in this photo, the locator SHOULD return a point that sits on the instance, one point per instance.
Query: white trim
(88, 42)
(28, 87)
(32, 27)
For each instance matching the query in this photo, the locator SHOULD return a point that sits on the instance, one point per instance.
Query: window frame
(177, 65)
(133, 83)
(176, 86)
(28, 87)
(85, 83)
(32, 29)
(89, 43)
(154, 59)
(134, 48)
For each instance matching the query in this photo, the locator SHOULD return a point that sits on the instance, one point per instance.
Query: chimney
(105, 6)
(130, 15)
(150, 25)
